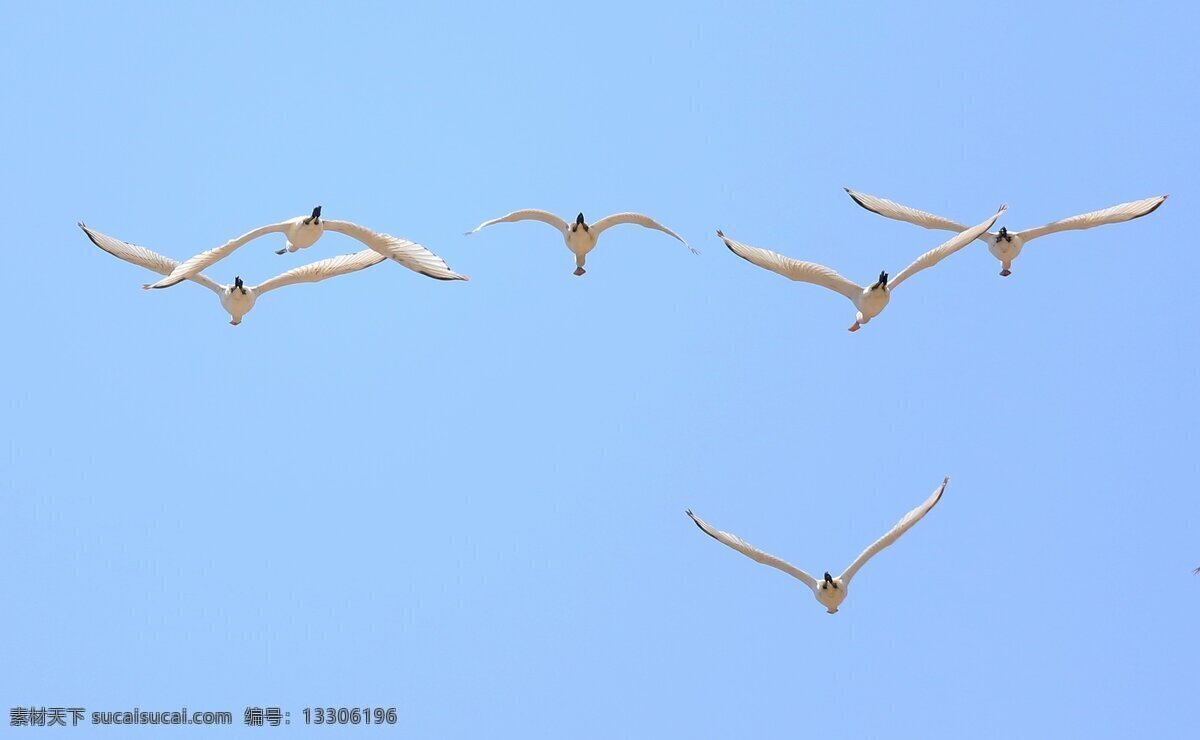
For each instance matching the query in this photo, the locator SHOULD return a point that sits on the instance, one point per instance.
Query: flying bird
(304, 231)
(238, 298)
(580, 236)
(1005, 245)
(869, 300)
(830, 591)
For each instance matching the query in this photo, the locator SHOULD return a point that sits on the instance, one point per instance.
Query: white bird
(871, 300)
(580, 236)
(830, 591)
(1005, 245)
(237, 299)
(303, 232)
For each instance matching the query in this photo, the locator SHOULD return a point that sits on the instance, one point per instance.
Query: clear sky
(466, 500)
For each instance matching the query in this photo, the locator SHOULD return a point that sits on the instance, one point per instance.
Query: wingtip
(720, 233)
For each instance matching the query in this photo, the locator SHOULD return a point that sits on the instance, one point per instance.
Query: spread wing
(638, 219)
(143, 257)
(807, 272)
(203, 260)
(1115, 215)
(903, 526)
(527, 215)
(752, 552)
(894, 210)
(315, 272)
(936, 255)
(410, 254)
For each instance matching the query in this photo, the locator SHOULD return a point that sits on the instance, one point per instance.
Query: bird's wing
(894, 210)
(410, 254)
(194, 265)
(1114, 215)
(323, 269)
(143, 257)
(531, 214)
(808, 272)
(903, 526)
(635, 218)
(752, 552)
(936, 255)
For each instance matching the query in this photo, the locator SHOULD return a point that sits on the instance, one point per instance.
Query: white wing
(323, 269)
(194, 265)
(1115, 215)
(936, 255)
(638, 219)
(894, 210)
(752, 552)
(808, 272)
(527, 215)
(905, 524)
(143, 257)
(410, 254)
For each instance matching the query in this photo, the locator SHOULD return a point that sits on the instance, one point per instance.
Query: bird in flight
(869, 300)
(237, 298)
(1005, 245)
(304, 231)
(829, 591)
(580, 236)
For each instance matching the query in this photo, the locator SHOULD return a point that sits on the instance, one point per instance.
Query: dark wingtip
(854, 197)
(1155, 208)
(444, 278)
(696, 521)
(941, 490)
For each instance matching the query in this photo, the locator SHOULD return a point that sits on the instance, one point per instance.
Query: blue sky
(466, 500)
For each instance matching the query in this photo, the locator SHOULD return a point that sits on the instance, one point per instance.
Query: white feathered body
(871, 303)
(580, 240)
(301, 235)
(237, 303)
(831, 598)
(1003, 249)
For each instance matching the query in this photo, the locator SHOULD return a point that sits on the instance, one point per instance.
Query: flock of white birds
(302, 232)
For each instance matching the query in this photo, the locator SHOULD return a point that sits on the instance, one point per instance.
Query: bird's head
(579, 223)
(831, 592)
(1004, 235)
(881, 284)
(239, 285)
(315, 218)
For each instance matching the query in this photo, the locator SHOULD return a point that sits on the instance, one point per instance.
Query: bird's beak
(315, 218)
(882, 284)
(828, 578)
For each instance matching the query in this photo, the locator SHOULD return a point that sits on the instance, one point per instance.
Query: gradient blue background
(466, 500)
